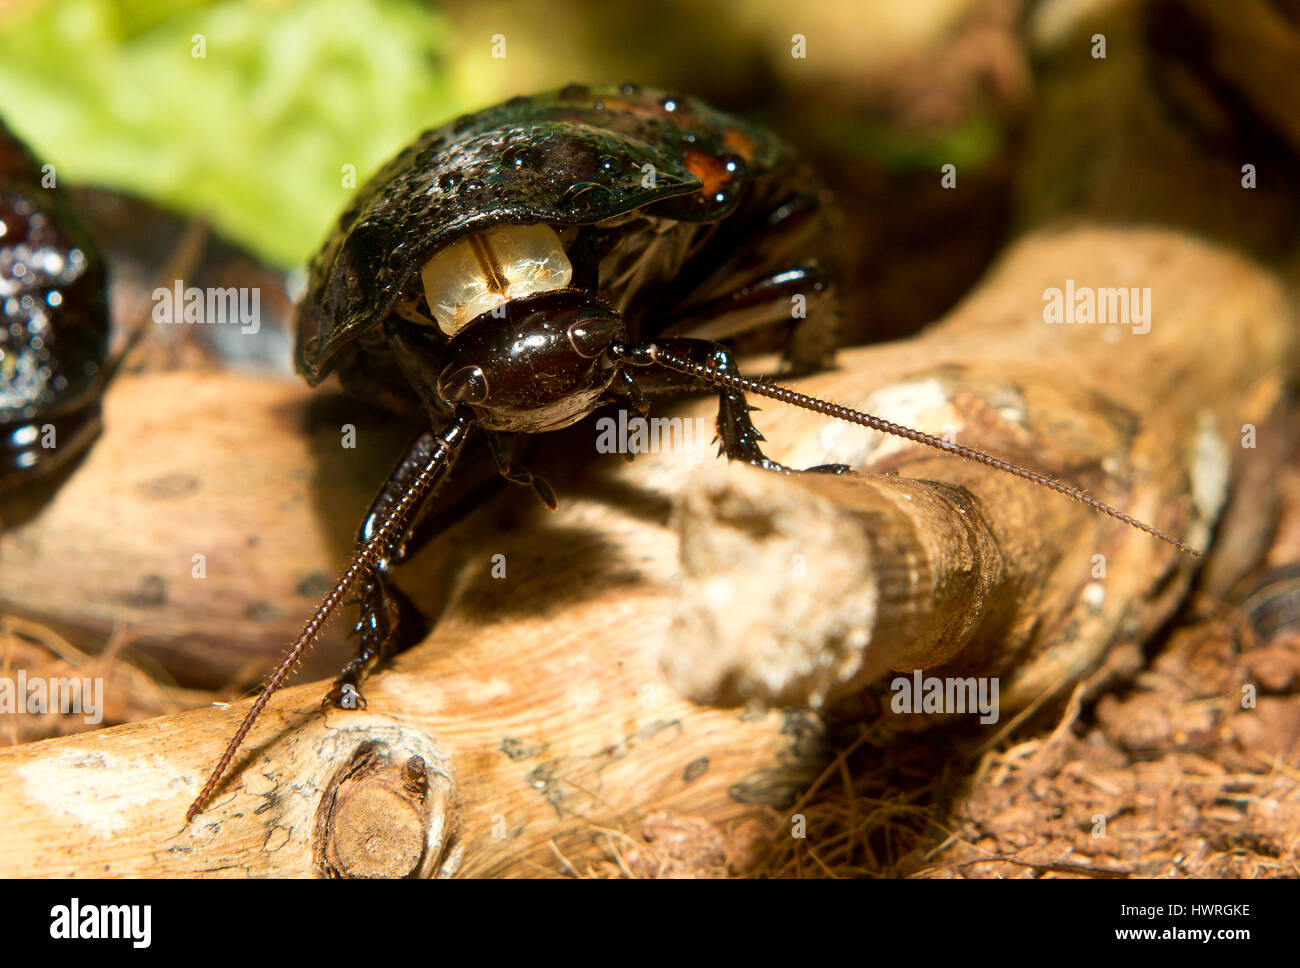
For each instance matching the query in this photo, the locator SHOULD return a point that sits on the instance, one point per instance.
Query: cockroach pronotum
(514, 270)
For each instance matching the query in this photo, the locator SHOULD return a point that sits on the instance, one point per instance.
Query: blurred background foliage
(256, 132)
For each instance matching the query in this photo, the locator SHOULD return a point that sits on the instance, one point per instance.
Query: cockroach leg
(388, 622)
(501, 454)
(626, 388)
(739, 438)
(388, 618)
(755, 305)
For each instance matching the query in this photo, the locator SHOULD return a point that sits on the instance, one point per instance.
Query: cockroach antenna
(761, 388)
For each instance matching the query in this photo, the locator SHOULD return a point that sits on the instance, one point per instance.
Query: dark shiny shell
(54, 322)
(571, 157)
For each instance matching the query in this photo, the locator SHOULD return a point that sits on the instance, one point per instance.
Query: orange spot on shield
(709, 170)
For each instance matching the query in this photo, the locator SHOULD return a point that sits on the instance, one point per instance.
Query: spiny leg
(389, 621)
(739, 438)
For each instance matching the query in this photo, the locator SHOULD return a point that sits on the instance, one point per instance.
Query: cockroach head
(542, 364)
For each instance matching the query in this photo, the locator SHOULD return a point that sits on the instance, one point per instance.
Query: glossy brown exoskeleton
(512, 271)
(54, 321)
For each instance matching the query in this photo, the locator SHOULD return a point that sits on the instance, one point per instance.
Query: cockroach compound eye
(512, 271)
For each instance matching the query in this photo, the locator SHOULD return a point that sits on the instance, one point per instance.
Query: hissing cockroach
(514, 270)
